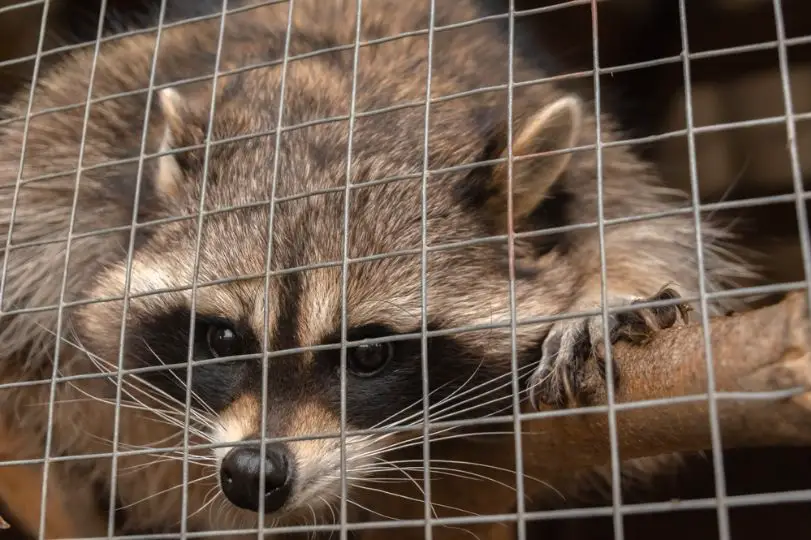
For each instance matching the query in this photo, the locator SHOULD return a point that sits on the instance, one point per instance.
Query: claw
(572, 343)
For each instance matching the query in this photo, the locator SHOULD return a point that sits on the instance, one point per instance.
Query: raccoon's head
(266, 356)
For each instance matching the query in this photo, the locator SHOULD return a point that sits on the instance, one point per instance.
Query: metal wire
(734, 501)
(63, 286)
(715, 429)
(791, 132)
(196, 272)
(426, 392)
(721, 502)
(732, 293)
(268, 260)
(34, 75)
(128, 274)
(345, 266)
(21, 5)
(616, 486)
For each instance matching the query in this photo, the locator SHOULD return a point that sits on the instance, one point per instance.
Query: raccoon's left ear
(168, 175)
(553, 129)
(179, 130)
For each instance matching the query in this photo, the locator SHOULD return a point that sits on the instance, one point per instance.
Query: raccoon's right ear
(178, 131)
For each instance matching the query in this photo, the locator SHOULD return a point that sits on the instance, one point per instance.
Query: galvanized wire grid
(721, 501)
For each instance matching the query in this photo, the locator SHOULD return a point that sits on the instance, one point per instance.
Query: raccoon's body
(467, 282)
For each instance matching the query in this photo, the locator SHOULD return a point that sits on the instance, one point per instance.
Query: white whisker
(211, 492)
(167, 490)
(406, 497)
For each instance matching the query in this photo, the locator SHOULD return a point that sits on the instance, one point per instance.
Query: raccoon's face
(266, 351)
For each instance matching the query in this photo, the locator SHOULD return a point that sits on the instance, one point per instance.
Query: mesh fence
(192, 444)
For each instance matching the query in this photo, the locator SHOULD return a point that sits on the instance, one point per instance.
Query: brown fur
(466, 286)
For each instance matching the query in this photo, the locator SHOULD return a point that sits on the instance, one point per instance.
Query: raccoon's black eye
(367, 360)
(223, 341)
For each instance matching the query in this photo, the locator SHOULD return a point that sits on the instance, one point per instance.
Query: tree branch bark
(764, 350)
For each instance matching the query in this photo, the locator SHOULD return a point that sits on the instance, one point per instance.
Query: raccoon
(194, 231)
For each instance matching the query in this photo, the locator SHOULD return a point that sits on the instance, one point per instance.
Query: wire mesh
(720, 483)
(618, 510)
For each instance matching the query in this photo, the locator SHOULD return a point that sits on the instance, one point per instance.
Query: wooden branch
(763, 350)
(21, 491)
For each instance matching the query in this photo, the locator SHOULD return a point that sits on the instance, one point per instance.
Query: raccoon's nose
(239, 476)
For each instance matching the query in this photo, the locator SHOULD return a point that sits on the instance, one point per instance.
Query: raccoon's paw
(571, 343)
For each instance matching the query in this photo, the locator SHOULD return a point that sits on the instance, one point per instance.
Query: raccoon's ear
(169, 173)
(553, 129)
(174, 114)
